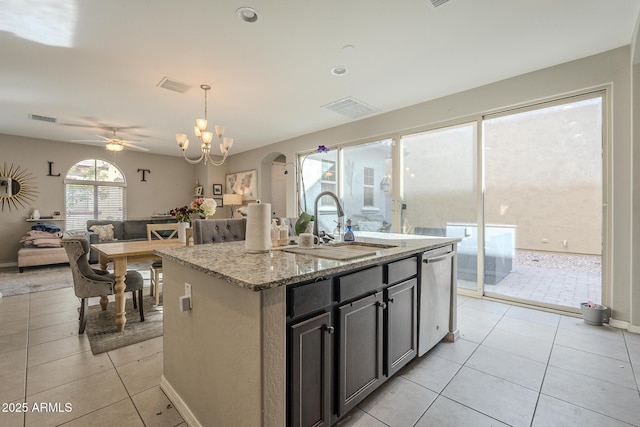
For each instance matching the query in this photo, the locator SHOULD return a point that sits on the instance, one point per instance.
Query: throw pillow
(105, 232)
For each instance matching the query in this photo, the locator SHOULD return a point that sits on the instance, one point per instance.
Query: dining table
(121, 252)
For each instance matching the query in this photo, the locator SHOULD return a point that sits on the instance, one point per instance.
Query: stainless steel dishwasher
(437, 310)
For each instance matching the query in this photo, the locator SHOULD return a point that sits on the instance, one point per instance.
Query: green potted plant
(303, 222)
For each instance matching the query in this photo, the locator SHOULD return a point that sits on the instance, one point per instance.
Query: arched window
(94, 189)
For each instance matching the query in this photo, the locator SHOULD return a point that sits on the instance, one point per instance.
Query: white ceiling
(92, 63)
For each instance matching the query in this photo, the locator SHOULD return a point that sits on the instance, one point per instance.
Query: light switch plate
(187, 293)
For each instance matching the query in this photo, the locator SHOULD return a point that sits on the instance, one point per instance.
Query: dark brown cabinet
(310, 374)
(360, 350)
(401, 325)
(347, 335)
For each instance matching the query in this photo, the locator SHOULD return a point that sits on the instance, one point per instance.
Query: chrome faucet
(315, 210)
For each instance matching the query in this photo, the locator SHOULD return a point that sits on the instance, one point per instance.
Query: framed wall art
(217, 189)
(245, 183)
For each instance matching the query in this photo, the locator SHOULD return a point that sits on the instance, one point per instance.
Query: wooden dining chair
(159, 232)
(189, 236)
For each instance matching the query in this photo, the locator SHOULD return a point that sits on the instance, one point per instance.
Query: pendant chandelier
(206, 138)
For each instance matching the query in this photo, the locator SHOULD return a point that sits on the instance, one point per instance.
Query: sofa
(104, 231)
(41, 246)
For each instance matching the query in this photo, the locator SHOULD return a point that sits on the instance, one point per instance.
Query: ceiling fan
(114, 143)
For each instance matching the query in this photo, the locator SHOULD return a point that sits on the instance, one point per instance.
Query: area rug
(103, 334)
(35, 279)
(38, 279)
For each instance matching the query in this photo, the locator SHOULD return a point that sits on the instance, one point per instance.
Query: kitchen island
(230, 359)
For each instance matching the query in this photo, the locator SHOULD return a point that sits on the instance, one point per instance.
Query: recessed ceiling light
(247, 14)
(338, 71)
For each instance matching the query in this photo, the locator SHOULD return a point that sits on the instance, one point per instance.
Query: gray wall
(169, 184)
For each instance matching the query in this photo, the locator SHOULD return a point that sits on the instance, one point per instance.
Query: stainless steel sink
(340, 251)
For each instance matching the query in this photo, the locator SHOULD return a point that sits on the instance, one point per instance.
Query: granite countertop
(231, 262)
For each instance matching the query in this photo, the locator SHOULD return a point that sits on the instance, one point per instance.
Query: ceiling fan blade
(86, 140)
(127, 144)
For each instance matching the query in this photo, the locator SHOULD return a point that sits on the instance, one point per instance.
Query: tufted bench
(31, 257)
(218, 230)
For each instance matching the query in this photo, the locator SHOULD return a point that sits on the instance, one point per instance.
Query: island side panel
(212, 353)
(274, 356)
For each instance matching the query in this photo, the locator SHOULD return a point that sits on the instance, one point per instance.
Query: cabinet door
(360, 354)
(310, 372)
(402, 325)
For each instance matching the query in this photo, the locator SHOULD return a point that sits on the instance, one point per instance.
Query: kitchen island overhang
(225, 359)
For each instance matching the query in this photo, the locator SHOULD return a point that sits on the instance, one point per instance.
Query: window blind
(94, 190)
(85, 202)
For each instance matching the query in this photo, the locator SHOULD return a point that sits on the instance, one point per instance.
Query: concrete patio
(550, 278)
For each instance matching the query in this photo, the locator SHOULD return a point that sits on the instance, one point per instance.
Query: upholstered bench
(31, 257)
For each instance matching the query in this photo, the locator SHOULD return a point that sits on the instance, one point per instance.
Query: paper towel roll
(258, 237)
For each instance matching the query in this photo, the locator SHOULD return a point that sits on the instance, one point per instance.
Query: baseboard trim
(634, 329)
(178, 403)
(620, 324)
(8, 264)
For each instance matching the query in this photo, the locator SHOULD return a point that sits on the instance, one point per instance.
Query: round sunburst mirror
(17, 187)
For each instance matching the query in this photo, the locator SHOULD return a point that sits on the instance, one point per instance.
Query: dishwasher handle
(438, 258)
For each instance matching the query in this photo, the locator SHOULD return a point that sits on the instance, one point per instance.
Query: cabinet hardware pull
(382, 304)
(390, 300)
(329, 329)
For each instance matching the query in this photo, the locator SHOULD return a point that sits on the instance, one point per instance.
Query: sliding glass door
(543, 203)
(525, 197)
(440, 191)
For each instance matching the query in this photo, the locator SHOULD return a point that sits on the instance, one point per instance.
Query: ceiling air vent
(174, 85)
(42, 118)
(351, 108)
(436, 3)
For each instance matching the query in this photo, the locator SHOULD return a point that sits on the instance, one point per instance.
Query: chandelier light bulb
(207, 137)
(201, 124)
(181, 138)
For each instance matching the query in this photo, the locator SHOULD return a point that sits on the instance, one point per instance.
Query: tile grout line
(125, 387)
(546, 368)
(633, 371)
(572, 403)
(458, 371)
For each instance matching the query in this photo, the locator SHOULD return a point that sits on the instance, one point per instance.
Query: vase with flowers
(200, 208)
(203, 207)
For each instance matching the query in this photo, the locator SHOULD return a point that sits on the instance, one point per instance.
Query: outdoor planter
(594, 314)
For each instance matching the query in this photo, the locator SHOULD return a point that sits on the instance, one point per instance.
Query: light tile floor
(511, 366)
(44, 361)
(514, 366)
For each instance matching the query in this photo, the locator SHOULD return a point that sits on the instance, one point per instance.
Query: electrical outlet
(187, 293)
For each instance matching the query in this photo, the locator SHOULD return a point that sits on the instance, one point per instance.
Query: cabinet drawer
(356, 284)
(401, 270)
(310, 297)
